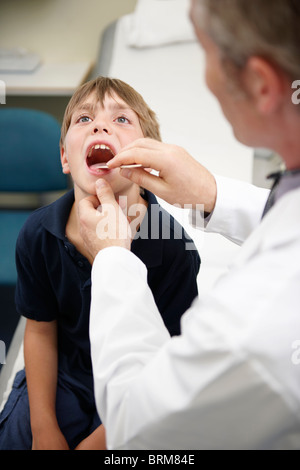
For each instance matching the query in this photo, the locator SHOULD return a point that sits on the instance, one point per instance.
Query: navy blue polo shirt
(54, 279)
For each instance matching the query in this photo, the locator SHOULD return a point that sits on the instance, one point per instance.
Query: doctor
(232, 379)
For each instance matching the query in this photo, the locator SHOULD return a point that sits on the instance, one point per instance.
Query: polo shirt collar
(57, 214)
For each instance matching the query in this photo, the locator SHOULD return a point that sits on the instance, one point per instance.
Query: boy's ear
(64, 161)
(264, 84)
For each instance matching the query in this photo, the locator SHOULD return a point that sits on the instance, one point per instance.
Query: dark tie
(271, 199)
(284, 181)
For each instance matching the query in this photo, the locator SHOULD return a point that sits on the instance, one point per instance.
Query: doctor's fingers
(87, 207)
(146, 152)
(105, 192)
(88, 216)
(108, 202)
(143, 178)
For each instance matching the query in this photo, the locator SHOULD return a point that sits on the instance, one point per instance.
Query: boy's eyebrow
(116, 106)
(86, 107)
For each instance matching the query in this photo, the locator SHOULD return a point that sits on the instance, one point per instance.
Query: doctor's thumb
(104, 191)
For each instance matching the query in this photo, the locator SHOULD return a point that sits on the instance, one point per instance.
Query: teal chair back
(29, 163)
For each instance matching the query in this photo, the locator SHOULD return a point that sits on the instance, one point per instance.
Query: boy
(54, 269)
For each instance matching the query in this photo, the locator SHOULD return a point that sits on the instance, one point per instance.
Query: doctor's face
(234, 101)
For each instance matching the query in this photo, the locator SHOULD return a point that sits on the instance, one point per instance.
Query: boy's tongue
(99, 165)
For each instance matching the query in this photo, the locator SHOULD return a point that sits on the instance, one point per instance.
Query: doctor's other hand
(181, 179)
(102, 221)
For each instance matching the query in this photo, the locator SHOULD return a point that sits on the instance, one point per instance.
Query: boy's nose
(98, 129)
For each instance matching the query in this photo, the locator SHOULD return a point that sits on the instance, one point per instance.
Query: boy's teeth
(97, 147)
(101, 146)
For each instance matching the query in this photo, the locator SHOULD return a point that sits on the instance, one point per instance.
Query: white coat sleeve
(238, 210)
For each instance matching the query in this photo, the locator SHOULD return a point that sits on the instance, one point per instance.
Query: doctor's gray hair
(244, 28)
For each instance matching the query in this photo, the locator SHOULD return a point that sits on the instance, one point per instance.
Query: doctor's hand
(181, 180)
(102, 221)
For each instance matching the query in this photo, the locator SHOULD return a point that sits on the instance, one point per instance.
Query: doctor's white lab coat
(232, 379)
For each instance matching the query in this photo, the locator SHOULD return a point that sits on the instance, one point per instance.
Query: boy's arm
(40, 350)
(95, 441)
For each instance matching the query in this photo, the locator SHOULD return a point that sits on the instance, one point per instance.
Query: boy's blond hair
(104, 85)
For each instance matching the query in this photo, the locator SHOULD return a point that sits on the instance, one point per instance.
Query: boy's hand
(105, 225)
(182, 180)
(52, 440)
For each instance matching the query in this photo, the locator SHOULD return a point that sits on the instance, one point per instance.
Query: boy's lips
(98, 154)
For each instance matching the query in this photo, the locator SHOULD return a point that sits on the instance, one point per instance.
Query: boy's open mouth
(98, 156)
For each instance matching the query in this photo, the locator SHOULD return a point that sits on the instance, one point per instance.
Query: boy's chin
(119, 187)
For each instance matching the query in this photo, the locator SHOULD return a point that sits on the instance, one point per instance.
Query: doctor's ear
(64, 161)
(264, 84)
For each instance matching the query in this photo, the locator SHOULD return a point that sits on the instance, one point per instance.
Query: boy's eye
(84, 119)
(122, 120)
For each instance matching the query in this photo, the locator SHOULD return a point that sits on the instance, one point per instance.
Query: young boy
(54, 283)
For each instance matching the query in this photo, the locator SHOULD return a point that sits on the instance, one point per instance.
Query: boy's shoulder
(51, 218)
